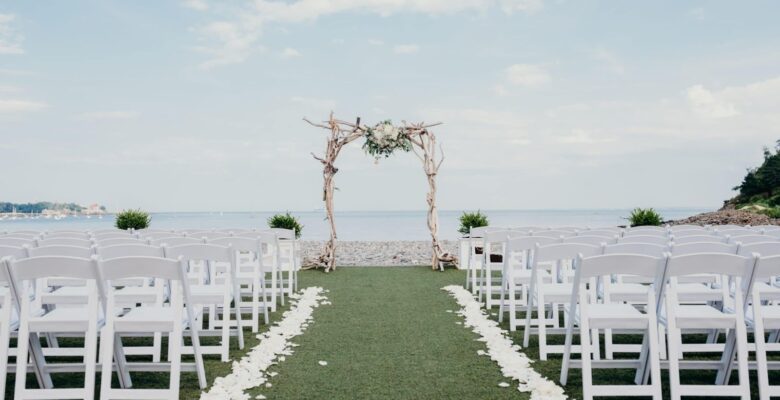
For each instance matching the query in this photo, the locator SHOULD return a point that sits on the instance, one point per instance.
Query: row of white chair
(622, 291)
(215, 270)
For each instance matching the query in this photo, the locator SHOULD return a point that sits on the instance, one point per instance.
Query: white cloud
(16, 106)
(709, 105)
(375, 42)
(582, 136)
(233, 39)
(611, 61)
(527, 75)
(290, 53)
(198, 5)
(10, 39)
(406, 49)
(107, 115)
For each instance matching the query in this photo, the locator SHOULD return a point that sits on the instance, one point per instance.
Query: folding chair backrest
(699, 239)
(176, 241)
(646, 249)
(748, 239)
(591, 239)
(692, 232)
(238, 243)
(641, 230)
(624, 264)
(130, 250)
(564, 251)
(116, 241)
(112, 235)
(67, 235)
(710, 263)
(13, 252)
(23, 236)
(122, 268)
(764, 249)
(208, 235)
(767, 267)
(518, 244)
(599, 232)
(16, 242)
(661, 240)
(703, 247)
(67, 241)
(53, 267)
(686, 227)
(200, 252)
(61, 250)
(26, 232)
(737, 232)
(282, 233)
(555, 233)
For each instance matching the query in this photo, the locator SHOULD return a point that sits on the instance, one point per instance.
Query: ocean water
(357, 225)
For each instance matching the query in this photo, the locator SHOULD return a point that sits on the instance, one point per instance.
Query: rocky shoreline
(728, 216)
(378, 253)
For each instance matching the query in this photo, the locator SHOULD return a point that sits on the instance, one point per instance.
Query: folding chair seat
(550, 296)
(172, 318)
(84, 321)
(592, 316)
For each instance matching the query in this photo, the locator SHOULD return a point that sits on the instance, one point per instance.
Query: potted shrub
(470, 220)
(286, 221)
(645, 217)
(132, 219)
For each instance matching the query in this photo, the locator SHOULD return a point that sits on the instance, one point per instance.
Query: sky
(197, 105)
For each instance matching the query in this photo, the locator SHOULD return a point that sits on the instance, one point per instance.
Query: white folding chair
(16, 242)
(288, 253)
(736, 232)
(174, 241)
(557, 258)
(251, 275)
(516, 274)
(763, 317)
(492, 262)
(84, 320)
(692, 232)
(172, 318)
(630, 289)
(212, 270)
(592, 315)
(679, 317)
(67, 235)
(269, 264)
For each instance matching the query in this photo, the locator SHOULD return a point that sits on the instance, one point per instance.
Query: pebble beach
(378, 253)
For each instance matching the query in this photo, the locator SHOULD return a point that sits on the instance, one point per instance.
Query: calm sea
(357, 225)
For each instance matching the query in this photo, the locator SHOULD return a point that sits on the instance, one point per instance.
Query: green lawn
(387, 334)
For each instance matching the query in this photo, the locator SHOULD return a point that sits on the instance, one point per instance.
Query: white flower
(273, 346)
(513, 363)
(323, 363)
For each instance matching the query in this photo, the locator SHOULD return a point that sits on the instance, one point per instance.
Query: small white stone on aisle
(259, 397)
(323, 363)
(503, 384)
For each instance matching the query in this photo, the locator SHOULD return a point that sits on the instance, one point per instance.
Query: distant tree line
(761, 185)
(6, 207)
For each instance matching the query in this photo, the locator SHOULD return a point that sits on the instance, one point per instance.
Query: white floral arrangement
(384, 138)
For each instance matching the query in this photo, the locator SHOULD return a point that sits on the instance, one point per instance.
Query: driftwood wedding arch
(381, 140)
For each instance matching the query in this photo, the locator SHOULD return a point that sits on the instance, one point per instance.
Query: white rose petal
(323, 363)
(513, 363)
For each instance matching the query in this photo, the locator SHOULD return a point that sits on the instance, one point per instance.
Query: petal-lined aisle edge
(274, 345)
(513, 363)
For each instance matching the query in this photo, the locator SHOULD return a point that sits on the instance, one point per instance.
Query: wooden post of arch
(341, 134)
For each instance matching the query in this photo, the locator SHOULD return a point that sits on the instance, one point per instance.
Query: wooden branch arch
(424, 147)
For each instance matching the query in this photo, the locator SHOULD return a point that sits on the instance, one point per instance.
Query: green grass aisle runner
(386, 335)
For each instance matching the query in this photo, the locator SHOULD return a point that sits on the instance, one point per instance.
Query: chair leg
(742, 360)
(90, 354)
(225, 329)
(5, 339)
(674, 361)
(587, 378)
(107, 348)
(256, 307)
(761, 360)
(541, 328)
(655, 362)
(22, 346)
(502, 301)
(175, 360)
(528, 314)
